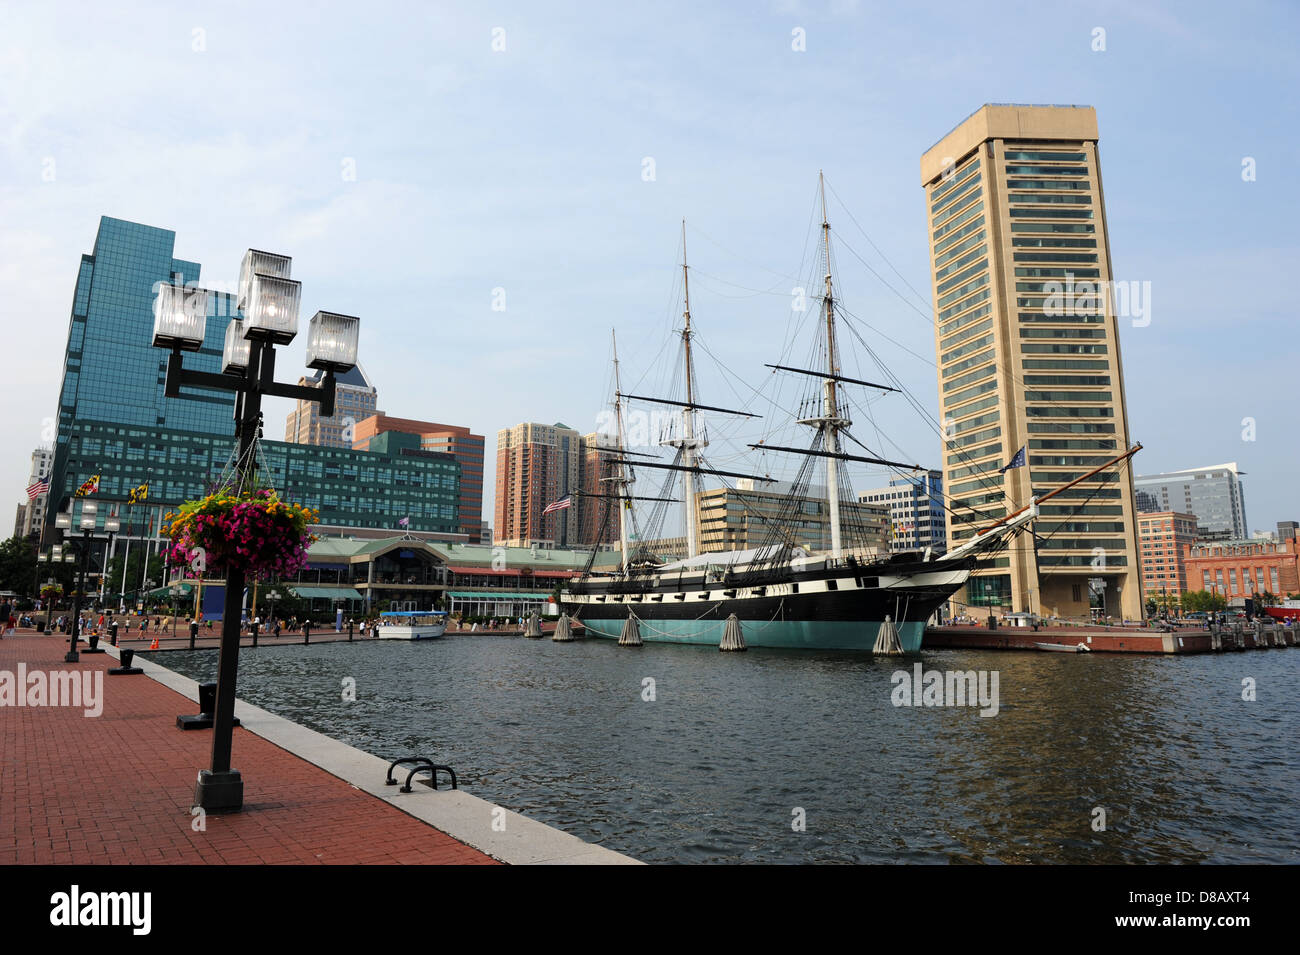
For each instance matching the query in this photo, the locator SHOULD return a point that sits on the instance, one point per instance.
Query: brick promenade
(118, 788)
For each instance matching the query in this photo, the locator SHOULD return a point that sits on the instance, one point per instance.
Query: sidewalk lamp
(176, 599)
(63, 522)
(268, 301)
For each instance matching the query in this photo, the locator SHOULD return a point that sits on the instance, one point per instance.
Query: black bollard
(207, 706)
(194, 632)
(306, 633)
(94, 645)
(349, 631)
(112, 634)
(125, 669)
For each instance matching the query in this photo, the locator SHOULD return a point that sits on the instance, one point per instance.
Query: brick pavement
(118, 788)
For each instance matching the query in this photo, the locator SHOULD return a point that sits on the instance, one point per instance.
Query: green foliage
(18, 566)
(1203, 601)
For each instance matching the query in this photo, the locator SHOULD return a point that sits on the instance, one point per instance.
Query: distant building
(598, 518)
(1240, 568)
(742, 517)
(915, 505)
(1214, 494)
(1287, 530)
(459, 442)
(1164, 538)
(355, 400)
(31, 512)
(537, 465)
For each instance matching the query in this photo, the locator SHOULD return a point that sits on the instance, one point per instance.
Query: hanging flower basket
(253, 531)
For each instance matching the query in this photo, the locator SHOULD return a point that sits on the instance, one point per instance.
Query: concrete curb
(468, 818)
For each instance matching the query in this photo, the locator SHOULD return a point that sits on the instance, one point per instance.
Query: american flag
(559, 505)
(36, 490)
(404, 522)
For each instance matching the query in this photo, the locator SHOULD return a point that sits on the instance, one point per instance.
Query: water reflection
(733, 744)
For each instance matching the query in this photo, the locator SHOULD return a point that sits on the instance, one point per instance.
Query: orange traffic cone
(154, 645)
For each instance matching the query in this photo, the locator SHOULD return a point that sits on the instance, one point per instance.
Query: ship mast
(688, 442)
(620, 478)
(830, 423)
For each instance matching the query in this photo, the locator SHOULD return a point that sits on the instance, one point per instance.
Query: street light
(269, 300)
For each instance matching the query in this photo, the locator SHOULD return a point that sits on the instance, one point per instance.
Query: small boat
(412, 625)
(1064, 647)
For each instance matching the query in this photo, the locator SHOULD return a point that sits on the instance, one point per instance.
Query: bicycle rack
(423, 763)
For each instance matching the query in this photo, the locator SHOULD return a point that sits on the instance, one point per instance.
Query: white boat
(412, 625)
(1064, 647)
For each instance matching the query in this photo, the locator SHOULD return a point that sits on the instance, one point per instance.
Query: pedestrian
(5, 610)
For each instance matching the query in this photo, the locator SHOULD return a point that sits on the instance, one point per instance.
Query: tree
(18, 566)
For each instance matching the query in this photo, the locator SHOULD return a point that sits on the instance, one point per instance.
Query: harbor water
(684, 754)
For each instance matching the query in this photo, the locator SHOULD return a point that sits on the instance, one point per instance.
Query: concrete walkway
(117, 787)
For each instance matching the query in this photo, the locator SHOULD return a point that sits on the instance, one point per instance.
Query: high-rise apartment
(355, 399)
(1165, 537)
(1214, 494)
(1027, 340)
(537, 465)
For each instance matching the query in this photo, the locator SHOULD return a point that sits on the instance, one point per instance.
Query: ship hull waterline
(847, 618)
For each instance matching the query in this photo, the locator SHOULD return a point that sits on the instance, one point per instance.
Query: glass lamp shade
(272, 310)
(87, 522)
(56, 552)
(63, 521)
(89, 507)
(112, 525)
(234, 356)
(180, 317)
(263, 263)
(332, 341)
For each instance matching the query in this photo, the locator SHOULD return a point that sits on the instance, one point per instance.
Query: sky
(495, 187)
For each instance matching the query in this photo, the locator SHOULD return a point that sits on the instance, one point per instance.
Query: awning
(167, 591)
(491, 595)
(522, 572)
(328, 593)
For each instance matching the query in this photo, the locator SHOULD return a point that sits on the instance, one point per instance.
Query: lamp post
(87, 524)
(55, 556)
(176, 596)
(269, 301)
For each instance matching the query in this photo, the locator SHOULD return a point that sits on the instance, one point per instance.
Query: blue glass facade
(116, 421)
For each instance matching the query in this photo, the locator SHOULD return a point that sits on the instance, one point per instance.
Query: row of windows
(1049, 214)
(959, 248)
(1067, 379)
(964, 290)
(981, 389)
(958, 221)
(1033, 155)
(974, 454)
(966, 334)
(1021, 198)
(1079, 364)
(951, 195)
(948, 327)
(1085, 257)
(961, 236)
(1069, 427)
(1046, 171)
(976, 345)
(956, 179)
(1060, 348)
(990, 402)
(1059, 185)
(968, 363)
(959, 264)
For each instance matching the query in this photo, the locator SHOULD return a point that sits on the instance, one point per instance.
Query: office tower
(916, 511)
(1028, 354)
(355, 400)
(743, 517)
(462, 444)
(1214, 494)
(116, 424)
(537, 465)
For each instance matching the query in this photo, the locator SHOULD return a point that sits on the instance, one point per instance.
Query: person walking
(5, 610)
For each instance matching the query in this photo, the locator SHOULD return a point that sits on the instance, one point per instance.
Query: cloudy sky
(423, 162)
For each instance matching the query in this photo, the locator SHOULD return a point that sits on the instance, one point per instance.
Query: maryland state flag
(88, 486)
(138, 495)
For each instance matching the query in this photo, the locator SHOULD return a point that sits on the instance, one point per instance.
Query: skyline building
(916, 512)
(1214, 494)
(743, 517)
(537, 465)
(116, 424)
(31, 512)
(1165, 537)
(459, 442)
(1027, 342)
(355, 400)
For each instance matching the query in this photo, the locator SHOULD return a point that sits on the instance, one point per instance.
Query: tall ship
(844, 595)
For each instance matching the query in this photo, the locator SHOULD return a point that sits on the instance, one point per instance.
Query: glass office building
(1214, 494)
(115, 421)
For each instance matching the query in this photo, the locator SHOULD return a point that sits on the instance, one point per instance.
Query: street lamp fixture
(269, 300)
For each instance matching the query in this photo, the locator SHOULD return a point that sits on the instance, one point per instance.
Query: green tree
(18, 566)
(134, 569)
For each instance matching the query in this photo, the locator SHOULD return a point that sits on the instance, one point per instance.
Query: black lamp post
(269, 299)
(87, 524)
